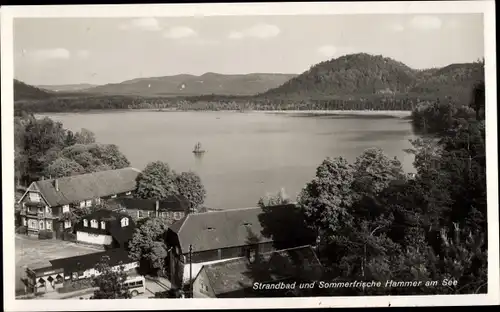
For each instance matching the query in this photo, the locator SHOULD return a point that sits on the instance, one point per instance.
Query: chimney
(56, 184)
(157, 208)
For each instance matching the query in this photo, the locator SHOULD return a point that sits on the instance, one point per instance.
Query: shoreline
(360, 113)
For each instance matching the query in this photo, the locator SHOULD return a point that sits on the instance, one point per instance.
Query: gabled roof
(298, 263)
(77, 188)
(88, 261)
(171, 203)
(113, 225)
(240, 227)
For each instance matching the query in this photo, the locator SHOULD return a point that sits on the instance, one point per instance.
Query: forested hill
(190, 85)
(23, 91)
(365, 75)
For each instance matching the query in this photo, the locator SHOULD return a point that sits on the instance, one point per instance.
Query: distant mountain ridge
(67, 87)
(363, 74)
(352, 77)
(23, 91)
(191, 85)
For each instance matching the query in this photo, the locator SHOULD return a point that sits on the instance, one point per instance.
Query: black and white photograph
(285, 154)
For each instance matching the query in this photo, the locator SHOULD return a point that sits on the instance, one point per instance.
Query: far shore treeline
(352, 82)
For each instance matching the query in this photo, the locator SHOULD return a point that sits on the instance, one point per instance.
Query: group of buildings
(217, 253)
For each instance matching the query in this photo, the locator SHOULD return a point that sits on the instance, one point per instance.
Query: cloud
(331, 51)
(327, 50)
(83, 54)
(236, 35)
(179, 32)
(145, 23)
(261, 31)
(397, 27)
(47, 54)
(426, 22)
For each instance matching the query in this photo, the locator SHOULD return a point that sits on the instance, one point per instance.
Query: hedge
(44, 234)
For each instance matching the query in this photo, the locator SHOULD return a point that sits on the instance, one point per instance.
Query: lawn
(37, 253)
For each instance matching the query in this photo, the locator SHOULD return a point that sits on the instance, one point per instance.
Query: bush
(44, 234)
(68, 236)
(22, 229)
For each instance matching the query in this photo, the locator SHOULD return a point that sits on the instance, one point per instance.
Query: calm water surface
(248, 154)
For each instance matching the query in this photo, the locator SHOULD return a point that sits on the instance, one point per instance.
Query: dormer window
(93, 223)
(85, 222)
(103, 225)
(124, 222)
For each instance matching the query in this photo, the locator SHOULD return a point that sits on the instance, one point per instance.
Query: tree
(326, 200)
(96, 157)
(189, 185)
(156, 181)
(280, 198)
(110, 282)
(42, 141)
(85, 136)
(148, 246)
(63, 167)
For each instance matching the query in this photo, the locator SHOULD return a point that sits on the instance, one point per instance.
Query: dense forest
(352, 82)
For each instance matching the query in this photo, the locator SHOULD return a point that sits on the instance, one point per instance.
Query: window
(85, 222)
(67, 224)
(93, 223)
(65, 208)
(49, 225)
(32, 224)
(82, 204)
(113, 196)
(177, 216)
(88, 203)
(103, 225)
(42, 225)
(151, 213)
(128, 193)
(98, 200)
(25, 222)
(35, 197)
(142, 214)
(124, 222)
(164, 214)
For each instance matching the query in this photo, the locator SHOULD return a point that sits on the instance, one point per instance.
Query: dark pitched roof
(240, 227)
(171, 203)
(235, 275)
(88, 261)
(87, 186)
(113, 225)
(174, 203)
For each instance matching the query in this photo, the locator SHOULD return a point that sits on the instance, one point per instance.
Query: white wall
(97, 239)
(127, 267)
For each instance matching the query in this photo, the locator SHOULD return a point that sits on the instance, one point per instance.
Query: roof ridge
(88, 174)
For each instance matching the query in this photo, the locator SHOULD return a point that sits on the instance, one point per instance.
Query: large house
(211, 237)
(60, 271)
(236, 278)
(172, 208)
(105, 228)
(45, 201)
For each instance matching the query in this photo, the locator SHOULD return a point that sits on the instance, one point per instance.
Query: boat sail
(198, 149)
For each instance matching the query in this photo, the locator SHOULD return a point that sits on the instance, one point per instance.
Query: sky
(52, 51)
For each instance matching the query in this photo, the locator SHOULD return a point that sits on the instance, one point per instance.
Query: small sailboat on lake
(198, 150)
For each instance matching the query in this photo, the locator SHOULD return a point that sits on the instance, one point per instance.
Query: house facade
(235, 278)
(105, 228)
(212, 237)
(172, 209)
(64, 270)
(45, 202)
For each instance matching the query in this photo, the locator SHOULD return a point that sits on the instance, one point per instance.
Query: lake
(248, 154)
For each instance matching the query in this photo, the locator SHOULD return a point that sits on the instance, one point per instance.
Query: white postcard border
(7, 15)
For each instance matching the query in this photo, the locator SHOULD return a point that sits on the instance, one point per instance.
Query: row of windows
(163, 214)
(94, 224)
